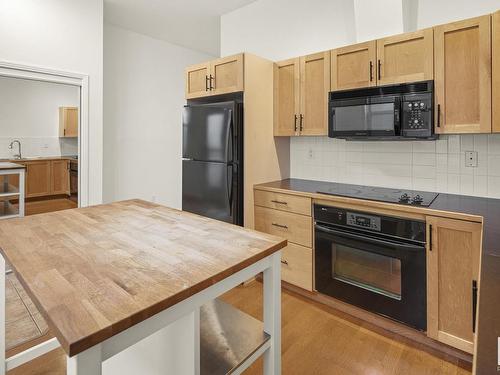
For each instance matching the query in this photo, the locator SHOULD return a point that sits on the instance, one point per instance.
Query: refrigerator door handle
(229, 185)
(229, 140)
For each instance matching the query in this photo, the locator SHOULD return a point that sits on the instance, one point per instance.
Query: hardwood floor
(316, 340)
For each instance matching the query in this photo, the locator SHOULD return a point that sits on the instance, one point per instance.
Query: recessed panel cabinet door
(405, 58)
(286, 97)
(60, 177)
(314, 88)
(353, 66)
(452, 275)
(496, 72)
(462, 73)
(227, 75)
(197, 80)
(38, 178)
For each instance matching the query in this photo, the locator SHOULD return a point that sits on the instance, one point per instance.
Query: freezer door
(207, 189)
(207, 133)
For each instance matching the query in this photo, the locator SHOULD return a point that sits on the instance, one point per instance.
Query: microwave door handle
(376, 241)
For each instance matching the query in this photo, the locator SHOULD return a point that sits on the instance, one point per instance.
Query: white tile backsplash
(428, 165)
(40, 146)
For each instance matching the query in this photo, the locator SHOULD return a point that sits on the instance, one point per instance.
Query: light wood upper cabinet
(314, 88)
(221, 76)
(227, 74)
(286, 97)
(38, 182)
(453, 258)
(405, 58)
(68, 122)
(59, 177)
(353, 66)
(198, 80)
(496, 72)
(462, 73)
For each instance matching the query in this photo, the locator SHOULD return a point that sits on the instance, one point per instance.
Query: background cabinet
(197, 80)
(37, 178)
(462, 52)
(354, 66)
(452, 274)
(496, 71)
(286, 97)
(405, 58)
(68, 122)
(59, 170)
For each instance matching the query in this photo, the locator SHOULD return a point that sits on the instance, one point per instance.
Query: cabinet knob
(284, 262)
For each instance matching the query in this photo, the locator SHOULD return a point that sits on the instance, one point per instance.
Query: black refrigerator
(212, 155)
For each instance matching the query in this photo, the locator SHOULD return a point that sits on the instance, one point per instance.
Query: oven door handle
(369, 239)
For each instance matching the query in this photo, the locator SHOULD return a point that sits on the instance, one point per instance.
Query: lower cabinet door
(38, 179)
(296, 266)
(60, 177)
(452, 281)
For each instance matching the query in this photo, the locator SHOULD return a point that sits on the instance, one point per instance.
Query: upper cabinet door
(286, 97)
(197, 80)
(462, 52)
(314, 88)
(405, 58)
(227, 75)
(496, 72)
(353, 66)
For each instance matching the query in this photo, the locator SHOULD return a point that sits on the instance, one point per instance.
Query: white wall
(377, 19)
(280, 29)
(29, 112)
(64, 35)
(143, 100)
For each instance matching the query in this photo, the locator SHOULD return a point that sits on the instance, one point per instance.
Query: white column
(272, 315)
(88, 362)
(2, 315)
(21, 192)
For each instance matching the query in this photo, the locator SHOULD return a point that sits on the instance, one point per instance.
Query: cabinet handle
(64, 132)
(371, 71)
(439, 116)
(301, 122)
(295, 124)
(279, 202)
(284, 262)
(206, 83)
(280, 225)
(474, 304)
(430, 237)
(379, 69)
(212, 78)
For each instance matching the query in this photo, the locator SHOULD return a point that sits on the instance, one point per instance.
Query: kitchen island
(132, 286)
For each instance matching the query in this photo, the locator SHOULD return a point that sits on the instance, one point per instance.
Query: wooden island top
(94, 272)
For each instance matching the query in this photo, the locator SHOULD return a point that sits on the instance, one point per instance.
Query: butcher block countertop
(8, 165)
(94, 272)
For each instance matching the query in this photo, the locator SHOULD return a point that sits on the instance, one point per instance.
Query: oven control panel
(363, 221)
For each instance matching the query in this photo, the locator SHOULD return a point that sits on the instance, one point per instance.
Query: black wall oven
(374, 262)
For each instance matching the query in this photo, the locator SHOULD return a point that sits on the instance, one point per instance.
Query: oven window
(371, 271)
(365, 117)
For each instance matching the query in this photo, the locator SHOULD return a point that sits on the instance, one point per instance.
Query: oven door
(364, 117)
(381, 275)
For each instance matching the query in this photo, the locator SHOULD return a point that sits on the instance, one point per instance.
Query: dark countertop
(486, 359)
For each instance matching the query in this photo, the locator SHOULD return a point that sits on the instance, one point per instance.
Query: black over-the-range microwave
(393, 112)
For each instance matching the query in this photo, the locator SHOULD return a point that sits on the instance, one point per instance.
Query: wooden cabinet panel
(314, 88)
(68, 122)
(405, 58)
(283, 202)
(197, 80)
(38, 178)
(286, 97)
(452, 265)
(496, 72)
(59, 177)
(296, 266)
(353, 66)
(293, 227)
(227, 73)
(462, 52)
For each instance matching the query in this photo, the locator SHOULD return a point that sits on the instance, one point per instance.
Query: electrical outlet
(471, 159)
(153, 199)
(310, 154)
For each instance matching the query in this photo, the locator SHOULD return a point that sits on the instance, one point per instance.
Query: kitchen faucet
(11, 146)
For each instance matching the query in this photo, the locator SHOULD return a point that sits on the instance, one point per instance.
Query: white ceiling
(191, 23)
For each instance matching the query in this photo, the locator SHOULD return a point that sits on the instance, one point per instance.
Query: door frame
(13, 70)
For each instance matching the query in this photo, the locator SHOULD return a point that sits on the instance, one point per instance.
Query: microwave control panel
(417, 119)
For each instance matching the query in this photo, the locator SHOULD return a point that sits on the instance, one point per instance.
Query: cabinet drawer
(283, 202)
(295, 228)
(296, 266)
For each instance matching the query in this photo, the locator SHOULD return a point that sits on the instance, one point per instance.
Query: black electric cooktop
(408, 197)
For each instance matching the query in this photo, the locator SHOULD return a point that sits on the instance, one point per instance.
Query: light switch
(471, 158)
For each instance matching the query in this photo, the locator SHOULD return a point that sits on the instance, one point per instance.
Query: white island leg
(88, 362)
(2, 315)
(272, 315)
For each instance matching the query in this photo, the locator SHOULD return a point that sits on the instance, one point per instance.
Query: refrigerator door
(208, 189)
(207, 133)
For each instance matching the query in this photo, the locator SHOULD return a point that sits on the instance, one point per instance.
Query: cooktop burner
(409, 197)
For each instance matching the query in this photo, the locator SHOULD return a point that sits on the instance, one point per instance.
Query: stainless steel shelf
(229, 338)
